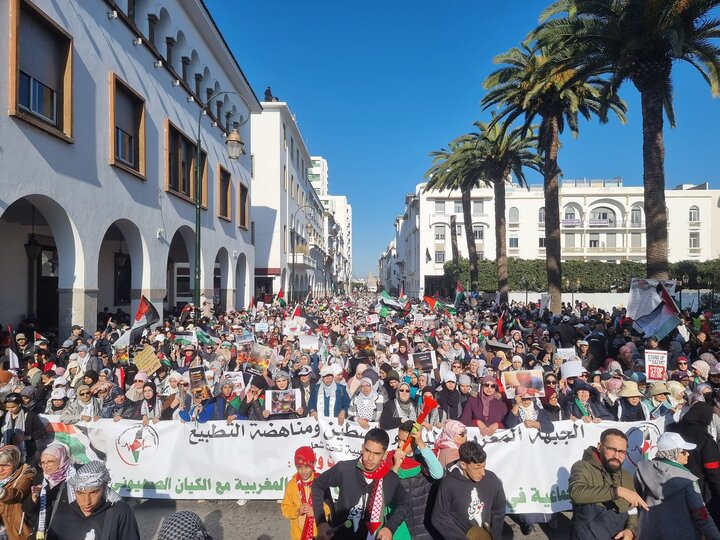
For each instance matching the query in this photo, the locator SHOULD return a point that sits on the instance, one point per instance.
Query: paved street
(261, 520)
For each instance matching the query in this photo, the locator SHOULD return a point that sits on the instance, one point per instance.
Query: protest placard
(424, 361)
(199, 387)
(364, 346)
(373, 318)
(523, 383)
(292, 326)
(282, 401)
(566, 354)
(242, 339)
(656, 365)
(259, 358)
(261, 327)
(146, 361)
(383, 335)
(236, 377)
(308, 343)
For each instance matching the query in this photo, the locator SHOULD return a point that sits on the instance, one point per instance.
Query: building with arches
(600, 219)
(99, 154)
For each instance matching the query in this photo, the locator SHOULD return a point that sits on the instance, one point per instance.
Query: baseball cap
(20, 336)
(327, 370)
(60, 381)
(58, 393)
(672, 441)
(305, 370)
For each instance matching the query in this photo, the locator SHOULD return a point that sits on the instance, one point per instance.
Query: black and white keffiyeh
(183, 526)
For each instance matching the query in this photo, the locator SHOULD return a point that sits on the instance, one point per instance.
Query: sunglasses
(551, 381)
(682, 363)
(404, 391)
(184, 384)
(84, 394)
(457, 366)
(490, 385)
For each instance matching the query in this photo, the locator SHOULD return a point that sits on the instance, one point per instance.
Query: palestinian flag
(663, 319)
(383, 312)
(185, 313)
(430, 301)
(204, 338)
(39, 337)
(500, 330)
(389, 301)
(297, 312)
(459, 294)
(145, 317)
(437, 304)
(185, 338)
(310, 320)
(307, 297)
(252, 303)
(11, 350)
(280, 298)
(75, 439)
(402, 292)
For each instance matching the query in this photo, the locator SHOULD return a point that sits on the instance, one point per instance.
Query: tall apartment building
(600, 220)
(287, 211)
(99, 144)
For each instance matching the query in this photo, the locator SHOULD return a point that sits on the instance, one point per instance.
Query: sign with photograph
(259, 358)
(282, 401)
(364, 346)
(424, 361)
(523, 383)
(655, 365)
(373, 318)
(238, 382)
(199, 387)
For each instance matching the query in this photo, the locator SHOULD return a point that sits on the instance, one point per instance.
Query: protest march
(371, 416)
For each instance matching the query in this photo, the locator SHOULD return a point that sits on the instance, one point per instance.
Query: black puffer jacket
(418, 489)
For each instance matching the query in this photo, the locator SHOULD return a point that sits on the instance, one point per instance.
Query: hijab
(365, 405)
(451, 429)
(406, 407)
(486, 400)
(62, 454)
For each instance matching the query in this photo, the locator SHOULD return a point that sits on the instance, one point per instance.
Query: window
(635, 240)
(458, 207)
(439, 257)
(541, 242)
(611, 240)
(594, 241)
(439, 232)
(182, 155)
(513, 242)
(284, 135)
(541, 215)
(252, 233)
(602, 217)
(284, 239)
(244, 207)
(570, 240)
(170, 43)
(458, 230)
(224, 194)
(293, 188)
(440, 207)
(128, 121)
(635, 216)
(514, 215)
(569, 213)
(41, 71)
(694, 240)
(285, 177)
(694, 214)
(292, 148)
(477, 232)
(477, 208)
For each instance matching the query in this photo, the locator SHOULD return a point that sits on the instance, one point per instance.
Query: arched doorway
(180, 270)
(42, 265)
(241, 300)
(220, 280)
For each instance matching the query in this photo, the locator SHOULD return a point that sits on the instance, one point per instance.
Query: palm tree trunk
(455, 254)
(551, 174)
(472, 252)
(656, 250)
(501, 238)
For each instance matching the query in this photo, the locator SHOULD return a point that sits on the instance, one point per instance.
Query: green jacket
(598, 512)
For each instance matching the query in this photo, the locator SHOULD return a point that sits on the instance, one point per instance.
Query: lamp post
(699, 281)
(234, 144)
(309, 212)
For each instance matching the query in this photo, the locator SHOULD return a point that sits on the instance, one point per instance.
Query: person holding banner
(329, 399)
(371, 501)
(604, 501)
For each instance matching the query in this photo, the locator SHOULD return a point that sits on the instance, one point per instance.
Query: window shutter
(125, 111)
(40, 51)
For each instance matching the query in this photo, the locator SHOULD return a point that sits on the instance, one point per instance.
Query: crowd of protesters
(86, 376)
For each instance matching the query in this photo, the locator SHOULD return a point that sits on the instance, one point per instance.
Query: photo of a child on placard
(282, 401)
(523, 383)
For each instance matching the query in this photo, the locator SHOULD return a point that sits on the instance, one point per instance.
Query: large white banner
(254, 460)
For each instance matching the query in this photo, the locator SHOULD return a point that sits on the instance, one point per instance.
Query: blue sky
(376, 86)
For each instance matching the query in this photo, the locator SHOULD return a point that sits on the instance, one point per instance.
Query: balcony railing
(303, 260)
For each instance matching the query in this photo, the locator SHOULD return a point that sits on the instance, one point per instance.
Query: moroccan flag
(12, 350)
(459, 294)
(145, 317)
(663, 319)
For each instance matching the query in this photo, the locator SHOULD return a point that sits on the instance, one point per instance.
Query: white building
(98, 157)
(287, 210)
(338, 226)
(600, 220)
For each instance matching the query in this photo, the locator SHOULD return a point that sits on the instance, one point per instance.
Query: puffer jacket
(11, 498)
(677, 509)
(598, 512)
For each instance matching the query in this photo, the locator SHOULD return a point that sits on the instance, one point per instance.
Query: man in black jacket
(371, 498)
(469, 497)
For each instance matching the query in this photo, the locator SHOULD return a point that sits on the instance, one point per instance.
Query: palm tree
(531, 86)
(488, 156)
(639, 40)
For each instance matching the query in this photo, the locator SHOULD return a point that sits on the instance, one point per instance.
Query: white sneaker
(242, 502)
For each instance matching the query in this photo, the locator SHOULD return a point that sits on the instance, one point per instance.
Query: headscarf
(406, 409)
(91, 475)
(451, 429)
(486, 400)
(545, 400)
(391, 375)
(183, 526)
(93, 375)
(62, 454)
(365, 405)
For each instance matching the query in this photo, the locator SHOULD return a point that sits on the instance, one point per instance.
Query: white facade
(287, 211)
(98, 154)
(600, 220)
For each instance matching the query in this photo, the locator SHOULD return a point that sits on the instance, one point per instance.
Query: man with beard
(371, 501)
(604, 500)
